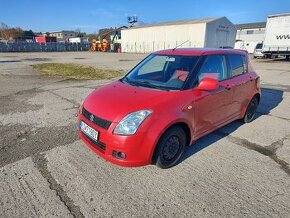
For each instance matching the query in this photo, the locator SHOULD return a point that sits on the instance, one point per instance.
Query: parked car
(166, 102)
(258, 51)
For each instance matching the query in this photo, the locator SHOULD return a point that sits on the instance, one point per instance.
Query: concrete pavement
(45, 171)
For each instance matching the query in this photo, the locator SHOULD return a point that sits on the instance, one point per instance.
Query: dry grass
(75, 71)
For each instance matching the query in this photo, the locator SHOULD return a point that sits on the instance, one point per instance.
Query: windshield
(259, 46)
(167, 72)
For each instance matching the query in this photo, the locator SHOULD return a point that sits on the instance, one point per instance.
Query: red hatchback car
(168, 101)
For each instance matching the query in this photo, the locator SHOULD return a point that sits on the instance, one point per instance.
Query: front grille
(105, 124)
(98, 144)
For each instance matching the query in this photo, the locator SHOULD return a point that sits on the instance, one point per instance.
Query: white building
(249, 35)
(207, 33)
(64, 36)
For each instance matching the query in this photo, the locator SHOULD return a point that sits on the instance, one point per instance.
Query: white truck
(277, 37)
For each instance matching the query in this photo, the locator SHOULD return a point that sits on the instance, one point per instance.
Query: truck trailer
(277, 37)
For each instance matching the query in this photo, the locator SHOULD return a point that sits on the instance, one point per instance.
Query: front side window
(214, 66)
(162, 71)
(237, 64)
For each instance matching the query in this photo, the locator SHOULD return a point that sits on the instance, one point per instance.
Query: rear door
(242, 80)
(212, 108)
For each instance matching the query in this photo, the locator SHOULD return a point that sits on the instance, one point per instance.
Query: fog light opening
(119, 155)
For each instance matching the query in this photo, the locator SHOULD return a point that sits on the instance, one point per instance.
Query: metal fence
(45, 47)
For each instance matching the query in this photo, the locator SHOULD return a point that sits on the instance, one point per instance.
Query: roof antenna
(180, 45)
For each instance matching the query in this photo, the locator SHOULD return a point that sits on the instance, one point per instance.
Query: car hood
(116, 100)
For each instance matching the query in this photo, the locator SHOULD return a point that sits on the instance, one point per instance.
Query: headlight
(129, 124)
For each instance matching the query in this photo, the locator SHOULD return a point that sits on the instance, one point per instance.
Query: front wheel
(251, 110)
(170, 147)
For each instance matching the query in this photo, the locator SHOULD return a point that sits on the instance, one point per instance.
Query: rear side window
(214, 66)
(237, 64)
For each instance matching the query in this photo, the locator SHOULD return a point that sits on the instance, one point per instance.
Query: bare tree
(9, 33)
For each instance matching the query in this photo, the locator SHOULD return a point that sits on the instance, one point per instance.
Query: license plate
(89, 131)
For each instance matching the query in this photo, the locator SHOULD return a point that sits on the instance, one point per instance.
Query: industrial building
(64, 36)
(249, 35)
(207, 33)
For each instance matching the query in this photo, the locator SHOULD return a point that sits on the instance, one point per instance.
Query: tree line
(10, 33)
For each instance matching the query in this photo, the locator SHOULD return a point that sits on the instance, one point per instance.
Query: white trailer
(206, 33)
(75, 40)
(78, 39)
(277, 37)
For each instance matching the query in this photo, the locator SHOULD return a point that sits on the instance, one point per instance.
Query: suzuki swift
(165, 103)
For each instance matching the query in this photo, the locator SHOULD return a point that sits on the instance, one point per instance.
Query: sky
(91, 15)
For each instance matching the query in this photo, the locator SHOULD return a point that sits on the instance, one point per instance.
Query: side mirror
(208, 84)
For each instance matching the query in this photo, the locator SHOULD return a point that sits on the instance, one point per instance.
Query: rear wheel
(251, 110)
(170, 147)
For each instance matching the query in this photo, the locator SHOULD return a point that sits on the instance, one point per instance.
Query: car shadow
(270, 99)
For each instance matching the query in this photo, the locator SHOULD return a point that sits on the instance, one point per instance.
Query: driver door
(212, 107)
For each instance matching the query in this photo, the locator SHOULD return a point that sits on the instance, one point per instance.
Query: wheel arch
(258, 96)
(249, 98)
(181, 124)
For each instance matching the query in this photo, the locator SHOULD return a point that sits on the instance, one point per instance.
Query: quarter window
(214, 66)
(237, 64)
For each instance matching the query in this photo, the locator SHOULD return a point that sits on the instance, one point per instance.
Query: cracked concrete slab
(275, 103)
(41, 164)
(20, 141)
(73, 83)
(76, 94)
(242, 170)
(25, 193)
(54, 112)
(265, 130)
(284, 152)
(220, 175)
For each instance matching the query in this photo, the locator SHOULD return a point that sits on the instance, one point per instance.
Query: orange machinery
(102, 46)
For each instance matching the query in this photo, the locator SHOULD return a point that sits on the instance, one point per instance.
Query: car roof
(200, 51)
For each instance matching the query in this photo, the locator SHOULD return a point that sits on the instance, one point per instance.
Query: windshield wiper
(143, 83)
(131, 82)
(151, 85)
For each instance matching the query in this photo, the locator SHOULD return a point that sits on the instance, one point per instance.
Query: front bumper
(138, 148)
(258, 54)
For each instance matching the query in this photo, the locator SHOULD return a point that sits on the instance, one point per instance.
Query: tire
(251, 110)
(170, 148)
